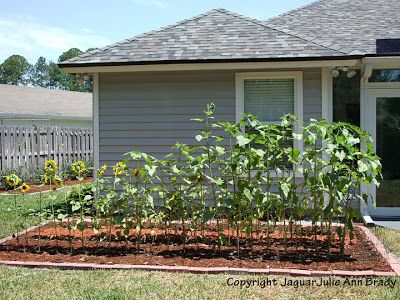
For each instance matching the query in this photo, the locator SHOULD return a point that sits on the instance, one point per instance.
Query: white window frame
(298, 96)
(298, 89)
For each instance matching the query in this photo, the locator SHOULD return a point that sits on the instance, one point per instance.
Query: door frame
(369, 123)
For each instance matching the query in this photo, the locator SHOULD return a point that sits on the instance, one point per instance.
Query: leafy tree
(69, 81)
(69, 54)
(46, 74)
(57, 77)
(40, 73)
(15, 70)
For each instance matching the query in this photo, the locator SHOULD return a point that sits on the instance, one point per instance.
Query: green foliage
(15, 70)
(248, 173)
(69, 54)
(40, 75)
(76, 195)
(238, 175)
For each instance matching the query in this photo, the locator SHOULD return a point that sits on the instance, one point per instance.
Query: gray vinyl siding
(150, 112)
(312, 94)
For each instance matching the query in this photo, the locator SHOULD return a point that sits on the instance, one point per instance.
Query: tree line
(16, 70)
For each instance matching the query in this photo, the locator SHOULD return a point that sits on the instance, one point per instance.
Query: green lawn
(53, 284)
(25, 205)
(389, 237)
(21, 283)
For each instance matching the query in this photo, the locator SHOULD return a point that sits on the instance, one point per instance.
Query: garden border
(61, 188)
(391, 259)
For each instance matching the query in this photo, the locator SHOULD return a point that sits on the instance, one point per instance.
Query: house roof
(215, 35)
(323, 29)
(353, 27)
(19, 101)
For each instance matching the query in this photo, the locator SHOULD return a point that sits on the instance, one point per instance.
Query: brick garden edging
(389, 257)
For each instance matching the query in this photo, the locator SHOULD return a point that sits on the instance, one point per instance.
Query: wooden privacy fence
(31, 147)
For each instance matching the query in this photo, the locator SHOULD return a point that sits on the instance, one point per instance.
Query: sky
(47, 28)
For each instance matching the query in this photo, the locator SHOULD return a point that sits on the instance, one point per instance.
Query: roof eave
(212, 63)
(42, 117)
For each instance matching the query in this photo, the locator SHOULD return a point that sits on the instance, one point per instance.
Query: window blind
(269, 99)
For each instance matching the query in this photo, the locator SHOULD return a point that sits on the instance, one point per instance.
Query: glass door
(384, 124)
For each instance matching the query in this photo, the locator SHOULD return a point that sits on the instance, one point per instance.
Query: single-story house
(27, 106)
(332, 59)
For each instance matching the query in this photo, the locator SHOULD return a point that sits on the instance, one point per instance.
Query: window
(269, 96)
(346, 99)
(269, 99)
(385, 75)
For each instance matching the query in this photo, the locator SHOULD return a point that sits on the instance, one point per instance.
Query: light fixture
(86, 77)
(335, 73)
(351, 74)
(345, 69)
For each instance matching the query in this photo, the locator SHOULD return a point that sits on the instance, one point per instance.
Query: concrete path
(388, 224)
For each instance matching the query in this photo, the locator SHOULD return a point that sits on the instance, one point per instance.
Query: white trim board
(327, 94)
(369, 123)
(214, 66)
(96, 152)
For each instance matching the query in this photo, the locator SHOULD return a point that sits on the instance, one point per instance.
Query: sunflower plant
(50, 166)
(120, 168)
(12, 181)
(78, 168)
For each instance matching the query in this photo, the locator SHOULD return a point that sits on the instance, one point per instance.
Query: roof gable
(353, 27)
(215, 35)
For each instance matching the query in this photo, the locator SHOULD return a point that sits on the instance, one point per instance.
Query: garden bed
(57, 246)
(35, 188)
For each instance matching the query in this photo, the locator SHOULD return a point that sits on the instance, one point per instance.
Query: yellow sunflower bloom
(78, 167)
(135, 172)
(24, 188)
(50, 166)
(12, 180)
(102, 170)
(119, 169)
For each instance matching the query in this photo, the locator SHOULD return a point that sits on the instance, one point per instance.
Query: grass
(55, 284)
(22, 283)
(389, 237)
(25, 205)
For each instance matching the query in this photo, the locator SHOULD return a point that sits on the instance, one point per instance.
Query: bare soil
(161, 247)
(34, 188)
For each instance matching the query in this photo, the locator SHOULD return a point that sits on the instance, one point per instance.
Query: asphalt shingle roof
(351, 26)
(47, 103)
(217, 34)
(326, 28)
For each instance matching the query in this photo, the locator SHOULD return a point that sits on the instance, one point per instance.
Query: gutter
(202, 61)
(42, 117)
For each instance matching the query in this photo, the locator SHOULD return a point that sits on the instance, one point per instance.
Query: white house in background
(27, 106)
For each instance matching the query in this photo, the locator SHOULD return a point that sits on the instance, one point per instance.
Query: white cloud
(154, 3)
(31, 39)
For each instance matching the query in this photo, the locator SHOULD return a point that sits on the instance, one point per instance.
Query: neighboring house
(27, 106)
(332, 59)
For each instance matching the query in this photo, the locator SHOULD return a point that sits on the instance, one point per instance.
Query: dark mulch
(166, 248)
